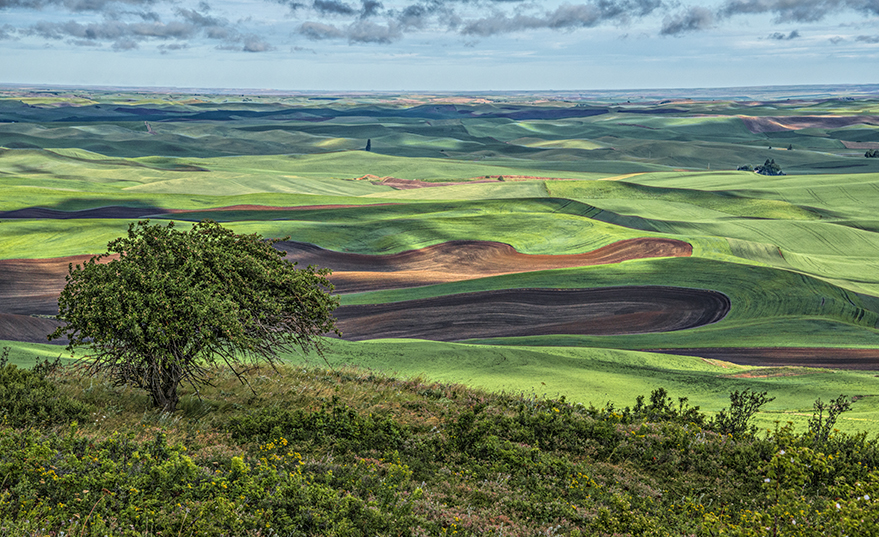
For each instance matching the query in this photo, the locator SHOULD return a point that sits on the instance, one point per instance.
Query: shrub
(28, 398)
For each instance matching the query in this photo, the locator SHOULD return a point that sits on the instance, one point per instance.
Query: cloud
(164, 49)
(292, 4)
(6, 31)
(317, 31)
(868, 39)
(797, 10)
(74, 5)
(693, 19)
(360, 31)
(565, 17)
(778, 36)
(125, 44)
(333, 7)
(370, 8)
(369, 32)
(253, 43)
(112, 30)
(123, 36)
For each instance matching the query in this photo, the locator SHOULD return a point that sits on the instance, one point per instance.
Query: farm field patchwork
(554, 247)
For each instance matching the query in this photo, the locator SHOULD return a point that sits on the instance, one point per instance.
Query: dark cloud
(360, 31)
(565, 17)
(868, 38)
(837, 39)
(370, 8)
(416, 15)
(294, 5)
(797, 10)
(6, 31)
(333, 7)
(692, 19)
(778, 36)
(149, 16)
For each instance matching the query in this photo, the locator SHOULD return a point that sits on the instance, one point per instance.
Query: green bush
(29, 399)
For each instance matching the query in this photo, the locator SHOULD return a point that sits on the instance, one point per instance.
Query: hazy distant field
(797, 256)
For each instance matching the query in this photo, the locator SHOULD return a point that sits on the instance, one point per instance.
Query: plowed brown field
(784, 123)
(521, 312)
(463, 260)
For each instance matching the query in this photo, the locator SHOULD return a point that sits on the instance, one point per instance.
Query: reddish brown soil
(114, 211)
(860, 145)
(463, 260)
(835, 358)
(409, 184)
(25, 328)
(273, 208)
(784, 123)
(100, 212)
(525, 312)
(32, 286)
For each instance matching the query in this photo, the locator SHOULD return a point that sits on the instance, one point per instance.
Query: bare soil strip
(834, 358)
(115, 211)
(273, 208)
(536, 312)
(409, 184)
(860, 145)
(785, 123)
(29, 329)
(463, 260)
(32, 286)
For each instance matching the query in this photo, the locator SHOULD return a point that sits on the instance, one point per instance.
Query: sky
(439, 45)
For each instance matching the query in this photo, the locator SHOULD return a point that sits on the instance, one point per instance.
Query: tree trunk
(163, 388)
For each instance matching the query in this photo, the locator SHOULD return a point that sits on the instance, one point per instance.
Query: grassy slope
(583, 375)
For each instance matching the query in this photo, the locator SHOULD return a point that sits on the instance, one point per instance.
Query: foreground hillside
(348, 452)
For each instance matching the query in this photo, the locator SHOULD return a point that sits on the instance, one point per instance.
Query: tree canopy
(162, 306)
(769, 168)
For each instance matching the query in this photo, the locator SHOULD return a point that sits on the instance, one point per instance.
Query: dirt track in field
(520, 312)
(463, 260)
(835, 358)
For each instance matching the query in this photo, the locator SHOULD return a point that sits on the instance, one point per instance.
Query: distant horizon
(697, 93)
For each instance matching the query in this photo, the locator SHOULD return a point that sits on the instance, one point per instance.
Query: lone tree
(175, 303)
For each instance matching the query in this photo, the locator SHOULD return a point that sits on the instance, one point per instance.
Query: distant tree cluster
(769, 168)
(872, 153)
